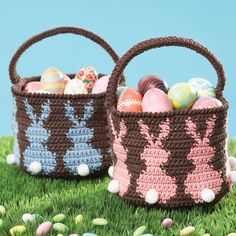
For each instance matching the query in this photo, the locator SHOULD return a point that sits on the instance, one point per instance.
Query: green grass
(21, 193)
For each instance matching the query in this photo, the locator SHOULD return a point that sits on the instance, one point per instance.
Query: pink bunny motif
(154, 180)
(121, 172)
(203, 176)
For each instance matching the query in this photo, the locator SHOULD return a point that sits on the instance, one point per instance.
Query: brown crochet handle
(158, 43)
(61, 30)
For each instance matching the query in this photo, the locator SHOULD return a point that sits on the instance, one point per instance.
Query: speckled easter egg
(207, 102)
(182, 96)
(120, 89)
(130, 100)
(202, 87)
(88, 76)
(75, 86)
(151, 81)
(155, 100)
(32, 87)
(53, 81)
(100, 85)
(44, 228)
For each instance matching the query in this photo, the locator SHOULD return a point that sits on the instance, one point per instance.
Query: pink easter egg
(100, 85)
(130, 100)
(155, 100)
(44, 228)
(32, 87)
(207, 102)
(167, 223)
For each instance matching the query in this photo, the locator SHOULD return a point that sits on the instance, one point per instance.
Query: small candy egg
(182, 96)
(59, 218)
(59, 227)
(130, 100)
(75, 86)
(44, 228)
(99, 221)
(88, 76)
(207, 102)
(202, 87)
(28, 217)
(89, 234)
(120, 89)
(35, 167)
(167, 223)
(74, 235)
(60, 235)
(19, 229)
(147, 234)
(187, 231)
(11, 159)
(2, 210)
(100, 86)
(155, 100)
(32, 87)
(79, 219)
(53, 81)
(232, 234)
(139, 231)
(151, 81)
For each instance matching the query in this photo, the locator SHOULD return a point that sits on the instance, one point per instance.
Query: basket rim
(17, 91)
(185, 112)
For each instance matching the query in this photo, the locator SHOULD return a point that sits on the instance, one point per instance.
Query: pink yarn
(203, 176)
(154, 155)
(121, 172)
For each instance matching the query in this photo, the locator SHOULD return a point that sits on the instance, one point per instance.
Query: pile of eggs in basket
(153, 95)
(54, 81)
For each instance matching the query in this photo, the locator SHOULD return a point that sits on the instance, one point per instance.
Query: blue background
(122, 23)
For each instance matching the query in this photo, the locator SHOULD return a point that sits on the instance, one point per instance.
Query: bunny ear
(70, 113)
(165, 129)
(29, 110)
(45, 110)
(144, 129)
(192, 129)
(123, 129)
(88, 110)
(210, 126)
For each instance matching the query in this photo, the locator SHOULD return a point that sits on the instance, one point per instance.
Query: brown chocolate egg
(151, 81)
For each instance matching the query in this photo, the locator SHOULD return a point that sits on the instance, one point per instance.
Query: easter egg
(28, 217)
(2, 210)
(79, 219)
(60, 227)
(59, 218)
(202, 87)
(44, 228)
(182, 95)
(32, 87)
(88, 76)
(187, 231)
(155, 100)
(130, 100)
(167, 223)
(18, 230)
(207, 102)
(151, 81)
(75, 86)
(53, 81)
(99, 221)
(100, 85)
(120, 89)
(139, 231)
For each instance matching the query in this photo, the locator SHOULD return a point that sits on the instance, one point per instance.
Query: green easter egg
(60, 227)
(182, 96)
(59, 218)
(99, 221)
(139, 231)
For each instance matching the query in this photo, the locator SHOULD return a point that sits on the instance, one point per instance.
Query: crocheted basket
(60, 135)
(171, 159)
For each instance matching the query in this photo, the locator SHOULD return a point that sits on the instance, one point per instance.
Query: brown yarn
(178, 143)
(58, 124)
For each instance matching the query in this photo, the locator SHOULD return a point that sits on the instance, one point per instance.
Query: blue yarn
(82, 152)
(37, 136)
(15, 130)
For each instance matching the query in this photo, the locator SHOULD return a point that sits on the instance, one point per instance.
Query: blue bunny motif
(16, 131)
(37, 136)
(82, 152)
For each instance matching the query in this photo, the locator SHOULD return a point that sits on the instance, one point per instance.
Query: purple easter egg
(151, 81)
(100, 85)
(155, 100)
(207, 102)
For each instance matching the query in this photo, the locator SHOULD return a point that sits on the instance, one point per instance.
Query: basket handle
(158, 43)
(52, 32)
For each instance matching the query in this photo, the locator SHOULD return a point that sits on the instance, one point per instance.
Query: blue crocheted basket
(60, 135)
